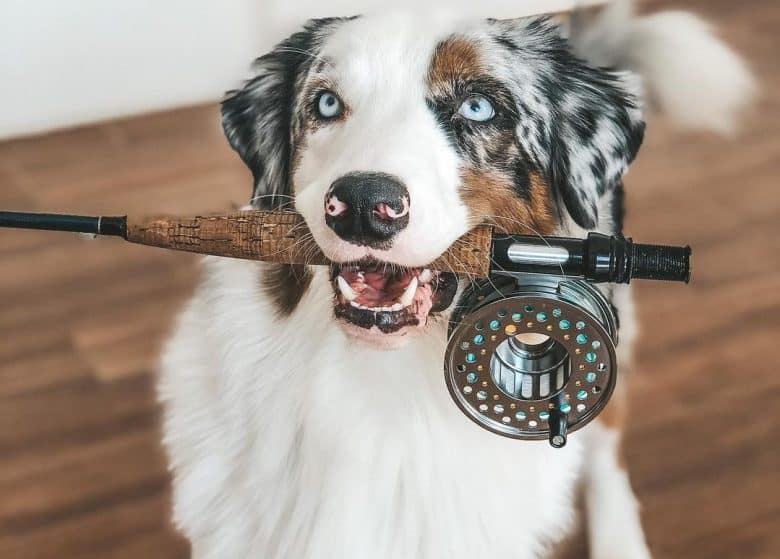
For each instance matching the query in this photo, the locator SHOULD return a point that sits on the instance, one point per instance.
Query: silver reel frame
(547, 397)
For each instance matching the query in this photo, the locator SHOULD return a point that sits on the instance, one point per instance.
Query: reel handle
(659, 262)
(597, 258)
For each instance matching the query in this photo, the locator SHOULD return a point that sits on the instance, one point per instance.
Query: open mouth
(372, 294)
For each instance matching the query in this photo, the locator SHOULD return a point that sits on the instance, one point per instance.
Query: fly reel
(532, 356)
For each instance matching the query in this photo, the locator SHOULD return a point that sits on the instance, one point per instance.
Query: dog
(305, 410)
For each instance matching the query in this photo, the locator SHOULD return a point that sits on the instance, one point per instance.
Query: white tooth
(354, 304)
(425, 276)
(396, 307)
(406, 298)
(345, 289)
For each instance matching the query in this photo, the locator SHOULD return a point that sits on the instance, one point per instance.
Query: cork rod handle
(278, 236)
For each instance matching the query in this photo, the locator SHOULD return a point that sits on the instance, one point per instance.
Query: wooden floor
(81, 472)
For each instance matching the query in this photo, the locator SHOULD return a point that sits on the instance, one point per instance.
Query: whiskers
(307, 53)
(285, 201)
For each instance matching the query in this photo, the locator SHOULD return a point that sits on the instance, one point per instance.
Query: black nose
(367, 208)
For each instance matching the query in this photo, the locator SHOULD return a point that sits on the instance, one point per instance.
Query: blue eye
(477, 108)
(328, 105)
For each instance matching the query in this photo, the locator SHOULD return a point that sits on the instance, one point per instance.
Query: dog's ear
(582, 124)
(257, 118)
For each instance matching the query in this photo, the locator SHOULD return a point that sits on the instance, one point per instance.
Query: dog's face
(393, 137)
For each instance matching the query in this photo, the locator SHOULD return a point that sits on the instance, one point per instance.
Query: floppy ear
(257, 119)
(583, 125)
(597, 131)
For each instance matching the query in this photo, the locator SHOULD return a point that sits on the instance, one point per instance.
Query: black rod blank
(96, 225)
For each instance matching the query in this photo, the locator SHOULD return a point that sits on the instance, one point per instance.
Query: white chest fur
(288, 440)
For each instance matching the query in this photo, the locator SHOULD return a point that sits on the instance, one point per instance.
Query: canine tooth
(425, 276)
(354, 304)
(345, 289)
(396, 307)
(406, 298)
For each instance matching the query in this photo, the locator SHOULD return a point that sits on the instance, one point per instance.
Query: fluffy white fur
(287, 439)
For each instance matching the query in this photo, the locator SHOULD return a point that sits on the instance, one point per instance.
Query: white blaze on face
(379, 68)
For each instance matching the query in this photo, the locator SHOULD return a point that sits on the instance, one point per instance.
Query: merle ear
(583, 124)
(257, 118)
(597, 132)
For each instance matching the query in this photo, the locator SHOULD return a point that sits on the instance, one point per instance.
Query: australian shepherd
(306, 414)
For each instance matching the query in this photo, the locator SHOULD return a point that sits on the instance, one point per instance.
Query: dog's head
(394, 137)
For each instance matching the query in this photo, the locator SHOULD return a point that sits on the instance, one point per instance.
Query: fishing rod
(282, 237)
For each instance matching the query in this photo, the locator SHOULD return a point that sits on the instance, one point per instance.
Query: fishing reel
(531, 353)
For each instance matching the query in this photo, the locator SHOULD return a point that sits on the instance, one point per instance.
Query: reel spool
(532, 356)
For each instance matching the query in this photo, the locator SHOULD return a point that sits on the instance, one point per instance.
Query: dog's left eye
(477, 108)
(329, 105)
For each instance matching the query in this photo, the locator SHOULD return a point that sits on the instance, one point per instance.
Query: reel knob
(559, 424)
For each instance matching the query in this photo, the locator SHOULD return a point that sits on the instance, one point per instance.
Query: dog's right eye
(477, 108)
(329, 105)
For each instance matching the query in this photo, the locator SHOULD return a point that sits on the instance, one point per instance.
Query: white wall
(72, 61)
(67, 62)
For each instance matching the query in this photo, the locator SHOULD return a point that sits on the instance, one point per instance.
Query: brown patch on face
(286, 285)
(492, 197)
(454, 59)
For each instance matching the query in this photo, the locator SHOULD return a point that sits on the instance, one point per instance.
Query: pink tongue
(370, 297)
(423, 302)
(375, 280)
(377, 289)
